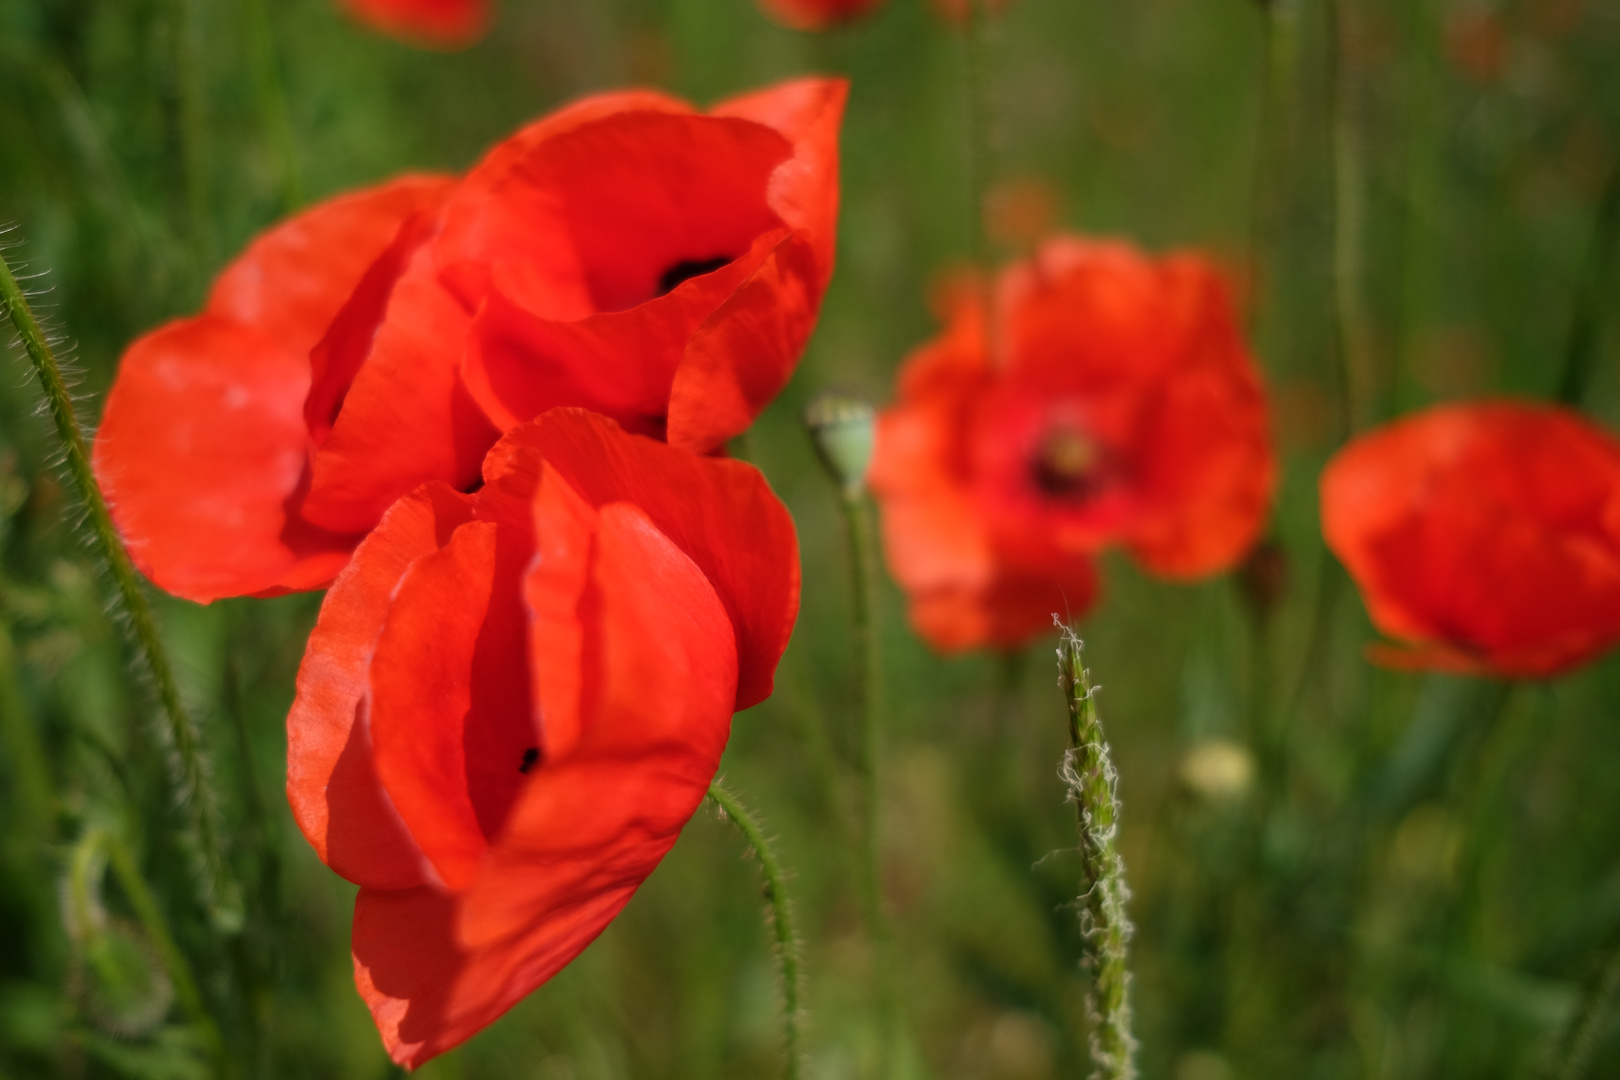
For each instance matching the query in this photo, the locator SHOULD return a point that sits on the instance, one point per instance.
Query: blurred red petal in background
(513, 701)
(625, 254)
(436, 24)
(1484, 537)
(958, 11)
(1115, 404)
(816, 14)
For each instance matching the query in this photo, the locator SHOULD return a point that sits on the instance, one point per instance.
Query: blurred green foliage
(1413, 884)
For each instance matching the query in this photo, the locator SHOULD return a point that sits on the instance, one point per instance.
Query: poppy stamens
(530, 756)
(687, 269)
(1065, 463)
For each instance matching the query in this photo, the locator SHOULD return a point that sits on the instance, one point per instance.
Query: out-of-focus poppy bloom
(440, 24)
(627, 254)
(816, 14)
(1484, 537)
(514, 700)
(1110, 400)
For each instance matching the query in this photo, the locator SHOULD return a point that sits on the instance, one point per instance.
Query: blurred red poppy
(626, 254)
(1485, 537)
(958, 11)
(816, 14)
(1112, 400)
(514, 700)
(440, 24)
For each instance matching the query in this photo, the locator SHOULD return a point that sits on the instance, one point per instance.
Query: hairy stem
(787, 937)
(188, 773)
(1105, 928)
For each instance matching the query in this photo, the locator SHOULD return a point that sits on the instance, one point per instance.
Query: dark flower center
(530, 756)
(1065, 464)
(687, 269)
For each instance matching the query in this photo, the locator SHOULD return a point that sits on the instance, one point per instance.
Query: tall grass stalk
(1105, 927)
(188, 772)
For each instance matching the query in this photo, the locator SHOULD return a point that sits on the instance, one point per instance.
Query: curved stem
(188, 774)
(1105, 928)
(787, 938)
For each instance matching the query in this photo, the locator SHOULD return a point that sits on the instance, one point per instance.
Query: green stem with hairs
(188, 773)
(787, 938)
(1105, 927)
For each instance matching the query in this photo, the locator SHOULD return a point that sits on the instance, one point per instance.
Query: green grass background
(1421, 896)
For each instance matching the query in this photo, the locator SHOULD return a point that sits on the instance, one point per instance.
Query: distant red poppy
(625, 254)
(514, 700)
(442, 24)
(958, 11)
(1484, 537)
(816, 14)
(1114, 402)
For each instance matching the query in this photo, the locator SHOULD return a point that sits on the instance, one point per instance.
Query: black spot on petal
(687, 269)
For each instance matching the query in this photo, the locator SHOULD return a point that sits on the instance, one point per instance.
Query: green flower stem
(273, 101)
(151, 918)
(1105, 928)
(1592, 300)
(1593, 1020)
(869, 694)
(787, 938)
(188, 774)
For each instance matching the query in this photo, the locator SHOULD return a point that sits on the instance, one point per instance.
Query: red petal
(200, 451)
(816, 14)
(721, 513)
(497, 216)
(451, 719)
(331, 782)
(589, 828)
(745, 352)
(1006, 613)
(406, 418)
(804, 190)
(621, 364)
(292, 280)
(440, 24)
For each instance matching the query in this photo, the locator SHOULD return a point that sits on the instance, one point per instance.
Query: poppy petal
(745, 352)
(332, 784)
(449, 698)
(804, 190)
(620, 364)
(406, 418)
(200, 451)
(292, 280)
(721, 513)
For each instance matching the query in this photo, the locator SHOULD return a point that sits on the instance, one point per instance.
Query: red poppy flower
(1113, 402)
(816, 14)
(1485, 537)
(514, 700)
(626, 254)
(442, 24)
